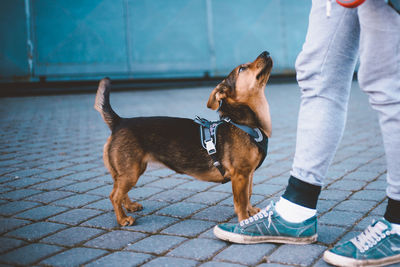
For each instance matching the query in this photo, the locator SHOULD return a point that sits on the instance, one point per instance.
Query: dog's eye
(241, 69)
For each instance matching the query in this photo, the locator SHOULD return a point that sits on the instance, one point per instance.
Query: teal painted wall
(88, 39)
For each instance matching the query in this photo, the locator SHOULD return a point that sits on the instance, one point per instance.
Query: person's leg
(325, 69)
(379, 77)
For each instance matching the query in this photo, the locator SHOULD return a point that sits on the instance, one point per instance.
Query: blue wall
(88, 39)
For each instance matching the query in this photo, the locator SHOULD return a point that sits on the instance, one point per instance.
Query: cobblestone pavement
(54, 207)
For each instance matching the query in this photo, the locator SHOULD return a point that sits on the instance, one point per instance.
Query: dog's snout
(265, 54)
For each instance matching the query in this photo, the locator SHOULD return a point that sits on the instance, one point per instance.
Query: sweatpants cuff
(302, 193)
(392, 213)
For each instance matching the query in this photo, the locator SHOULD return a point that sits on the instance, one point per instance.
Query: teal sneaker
(268, 226)
(378, 245)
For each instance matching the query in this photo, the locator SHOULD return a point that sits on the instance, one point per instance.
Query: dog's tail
(102, 104)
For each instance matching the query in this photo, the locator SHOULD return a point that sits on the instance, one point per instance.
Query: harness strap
(208, 135)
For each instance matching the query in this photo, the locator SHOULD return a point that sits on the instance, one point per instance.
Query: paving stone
(40, 213)
(208, 234)
(267, 189)
(14, 207)
(77, 200)
(170, 262)
(103, 191)
(49, 197)
(75, 216)
(23, 182)
(72, 236)
(36, 231)
(272, 265)
(173, 195)
(334, 194)
(303, 255)
(81, 176)
(9, 243)
(220, 264)
(19, 194)
(198, 249)
(156, 244)
(152, 223)
(181, 209)
(115, 240)
(375, 195)
(103, 204)
(55, 174)
(144, 192)
(189, 228)
(350, 185)
(208, 198)
(121, 258)
(328, 234)
(74, 257)
(53, 184)
(105, 221)
(216, 214)
(29, 254)
(254, 199)
(163, 172)
(197, 186)
(81, 187)
(356, 205)
(27, 173)
(340, 218)
(8, 224)
(167, 183)
(149, 206)
(245, 254)
(227, 188)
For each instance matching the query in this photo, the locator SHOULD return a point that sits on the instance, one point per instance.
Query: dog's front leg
(240, 189)
(250, 209)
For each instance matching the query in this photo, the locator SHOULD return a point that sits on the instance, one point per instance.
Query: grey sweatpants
(324, 72)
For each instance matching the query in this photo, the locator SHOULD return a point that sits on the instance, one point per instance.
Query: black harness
(208, 139)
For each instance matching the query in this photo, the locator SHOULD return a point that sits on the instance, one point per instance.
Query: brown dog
(175, 142)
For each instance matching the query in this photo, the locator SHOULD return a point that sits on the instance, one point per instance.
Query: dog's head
(244, 89)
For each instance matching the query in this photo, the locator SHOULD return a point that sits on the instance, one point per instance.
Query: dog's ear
(220, 92)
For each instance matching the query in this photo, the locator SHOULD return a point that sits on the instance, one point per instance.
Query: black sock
(302, 193)
(392, 213)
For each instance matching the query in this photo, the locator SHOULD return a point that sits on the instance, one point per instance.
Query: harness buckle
(210, 147)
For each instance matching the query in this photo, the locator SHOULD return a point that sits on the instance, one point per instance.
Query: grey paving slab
(36, 231)
(198, 249)
(7, 243)
(244, 254)
(117, 239)
(75, 216)
(8, 224)
(74, 257)
(11, 208)
(303, 255)
(156, 244)
(181, 209)
(72, 236)
(189, 228)
(121, 258)
(40, 213)
(170, 262)
(29, 254)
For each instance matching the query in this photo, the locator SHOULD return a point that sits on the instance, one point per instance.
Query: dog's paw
(131, 207)
(253, 210)
(127, 221)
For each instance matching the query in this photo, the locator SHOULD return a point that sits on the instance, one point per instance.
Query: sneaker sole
(242, 239)
(339, 260)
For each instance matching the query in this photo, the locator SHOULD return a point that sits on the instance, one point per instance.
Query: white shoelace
(264, 213)
(371, 236)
